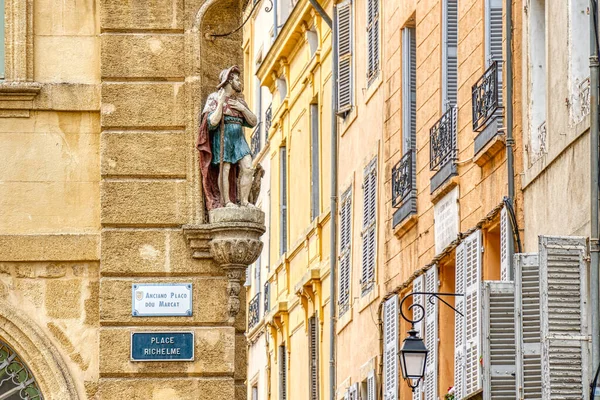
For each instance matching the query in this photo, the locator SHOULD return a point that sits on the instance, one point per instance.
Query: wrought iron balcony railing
(268, 119)
(267, 305)
(254, 311)
(442, 140)
(485, 99)
(402, 178)
(255, 143)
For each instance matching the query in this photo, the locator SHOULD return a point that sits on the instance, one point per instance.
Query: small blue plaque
(162, 346)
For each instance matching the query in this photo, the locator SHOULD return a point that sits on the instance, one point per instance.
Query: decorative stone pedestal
(232, 239)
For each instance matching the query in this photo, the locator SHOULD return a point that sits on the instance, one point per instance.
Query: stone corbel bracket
(232, 240)
(307, 290)
(276, 320)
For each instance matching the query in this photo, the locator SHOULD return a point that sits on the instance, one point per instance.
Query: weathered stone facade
(99, 177)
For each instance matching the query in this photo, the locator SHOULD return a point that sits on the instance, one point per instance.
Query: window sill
(372, 87)
(368, 298)
(348, 120)
(403, 227)
(449, 176)
(344, 320)
(16, 98)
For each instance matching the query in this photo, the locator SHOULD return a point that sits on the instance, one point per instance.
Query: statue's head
(231, 76)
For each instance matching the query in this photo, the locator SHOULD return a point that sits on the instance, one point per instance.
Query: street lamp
(413, 355)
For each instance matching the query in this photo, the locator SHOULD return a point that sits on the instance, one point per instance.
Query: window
(390, 349)
(493, 38)
(2, 36)
(368, 387)
(409, 90)
(449, 53)
(372, 39)
(537, 82)
(369, 247)
(314, 163)
(254, 393)
(282, 200)
(344, 49)
(467, 329)
(345, 246)
(282, 372)
(313, 352)
(579, 69)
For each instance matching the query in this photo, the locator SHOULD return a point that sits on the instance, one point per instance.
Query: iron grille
(254, 311)
(268, 119)
(255, 144)
(17, 381)
(402, 178)
(485, 100)
(267, 305)
(442, 140)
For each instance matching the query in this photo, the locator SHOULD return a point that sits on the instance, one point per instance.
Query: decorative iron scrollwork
(15, 377)
(255, 144)
(402, 178)
(254, 311)
(485, 100)
(268, 119)
(442, 140)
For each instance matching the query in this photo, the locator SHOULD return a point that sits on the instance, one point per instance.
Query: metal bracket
(432, 296)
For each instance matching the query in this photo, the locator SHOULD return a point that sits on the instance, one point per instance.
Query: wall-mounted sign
(162, 346)
(161, 299)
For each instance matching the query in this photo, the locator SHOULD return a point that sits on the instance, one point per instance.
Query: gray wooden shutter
(449, 53)
(431, 336)
(283, 200)
(314, 357)
(369, 225)
(345, 251)
(565, 335)
(390, 349)
(372, 39)
(499, 351)
(344, 48)
(371, 386)
(527, 317)
(418, 286)
(505, 236)
(282, 372)
(459, 323)
(472, 311)
(493, 39)
(409, 76)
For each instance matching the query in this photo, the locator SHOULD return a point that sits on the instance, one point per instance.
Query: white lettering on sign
(445, 217)
(161, 300)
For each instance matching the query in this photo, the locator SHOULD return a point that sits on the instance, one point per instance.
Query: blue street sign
(162, 346)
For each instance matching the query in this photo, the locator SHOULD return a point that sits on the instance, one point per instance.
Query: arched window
(16, 380)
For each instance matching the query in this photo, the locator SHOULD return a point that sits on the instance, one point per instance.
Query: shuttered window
(371, 386)
(505, 236)
(493, 38)
(390, 349)
(565, 336)
(431, 336)
(345, 250)
(345, 62)
(449, 53)
(466, 330)
(282, 372)
(2, 38)
(418, 286)
(314, 160)
(282, 200)
(313, 351)
(368, 234)
(528, 324)
(353, 392)
(499, 352)
(409, 90)
(373, 38)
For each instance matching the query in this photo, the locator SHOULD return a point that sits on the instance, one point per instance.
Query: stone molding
(232, 240)
(16, 98)
(38, 352)
(50, 247)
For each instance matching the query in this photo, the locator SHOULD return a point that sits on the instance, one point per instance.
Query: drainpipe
(333, 207)
(594, 186)
(275, 19)
(510, 141)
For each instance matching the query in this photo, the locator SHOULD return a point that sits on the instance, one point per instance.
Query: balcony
(404, 193)
(254, 311)
(268, 119)
(443, 148)
(255, 143)
(267, 305)
(487, 112)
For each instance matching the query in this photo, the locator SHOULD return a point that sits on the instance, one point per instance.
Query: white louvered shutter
(493, 39)
(431, 336)
(345, 251)
(505, 236)
(371, 386)
(354, 392)
(499, 351)
(419, 286)
(369, 227)
(347, 394)
(372, 38)
(472, 312)
(344, 48)
(390, 350)
(565, 335)
(449, 53)
(459, 324)
(527, 317)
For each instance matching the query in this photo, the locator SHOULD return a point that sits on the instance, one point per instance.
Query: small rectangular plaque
(162, 346)
(161, 299)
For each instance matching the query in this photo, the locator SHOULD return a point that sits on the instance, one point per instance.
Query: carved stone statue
(225, 160)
